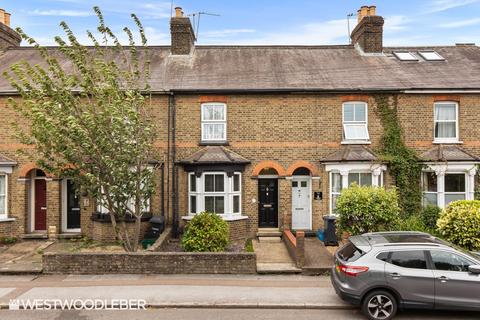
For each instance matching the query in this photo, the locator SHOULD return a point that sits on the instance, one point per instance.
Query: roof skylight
(405, 56)
(431, 56)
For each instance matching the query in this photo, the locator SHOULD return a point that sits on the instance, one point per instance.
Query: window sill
(227, 217)
(447, 142)
(7, 219)
(213, 143)
(356, 142)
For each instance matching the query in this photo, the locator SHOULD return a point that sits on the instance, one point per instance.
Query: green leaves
(459, 223)
(403, 162)
(367, 209)
(206, 232)
(88, 118)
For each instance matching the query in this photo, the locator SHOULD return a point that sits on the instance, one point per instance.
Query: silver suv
(385, 271)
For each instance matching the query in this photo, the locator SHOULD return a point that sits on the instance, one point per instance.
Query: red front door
(40, 205)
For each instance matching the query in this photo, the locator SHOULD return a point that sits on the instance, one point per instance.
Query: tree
(89, 121)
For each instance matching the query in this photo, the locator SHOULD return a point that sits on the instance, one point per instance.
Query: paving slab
(273, 257)
(186, 295)
(318, 259)
(5, 291)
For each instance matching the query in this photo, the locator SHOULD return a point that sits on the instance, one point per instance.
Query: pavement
(187, 291)
(221, 314)
(273, 257)
(24, 257)
(318, 258)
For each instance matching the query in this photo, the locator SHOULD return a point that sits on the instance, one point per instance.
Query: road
(222, 314)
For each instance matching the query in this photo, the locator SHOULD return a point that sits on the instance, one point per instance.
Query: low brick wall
(150, 263)
(102, 231)
(295, 246)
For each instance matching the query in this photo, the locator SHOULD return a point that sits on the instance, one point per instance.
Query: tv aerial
(196, 19)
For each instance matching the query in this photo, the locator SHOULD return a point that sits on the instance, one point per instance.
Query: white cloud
(461, 23)
(328, 32)
(61, 13)
(224, 33)
(442, 5)
(397, 23)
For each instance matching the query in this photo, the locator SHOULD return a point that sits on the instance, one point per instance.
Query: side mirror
(474, 269)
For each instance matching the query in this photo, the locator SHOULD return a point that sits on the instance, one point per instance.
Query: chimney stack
(183, 37)
(368, 34)
(8, 36)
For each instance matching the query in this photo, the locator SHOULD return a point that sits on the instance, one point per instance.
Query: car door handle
(395, 275)
(443, 279)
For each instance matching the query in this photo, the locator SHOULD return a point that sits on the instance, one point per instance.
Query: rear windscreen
(350, 253)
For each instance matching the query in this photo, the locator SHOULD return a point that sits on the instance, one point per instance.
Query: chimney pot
(178, 12)
(2, 16)
(368, 34)
(7, 18)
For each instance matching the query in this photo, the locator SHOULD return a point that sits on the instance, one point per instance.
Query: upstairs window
(446, 122)
(355, 124)
(214, 122)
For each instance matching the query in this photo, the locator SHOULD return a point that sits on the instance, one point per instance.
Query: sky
(305, 22)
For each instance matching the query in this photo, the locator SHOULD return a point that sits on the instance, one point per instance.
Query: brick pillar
(54, 210)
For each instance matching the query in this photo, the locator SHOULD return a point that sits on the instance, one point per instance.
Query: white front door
(301, 203)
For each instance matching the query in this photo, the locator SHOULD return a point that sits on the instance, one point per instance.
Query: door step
(69, 235)
(34, 236)
(269, 232)
(277, 268)
(269, 239)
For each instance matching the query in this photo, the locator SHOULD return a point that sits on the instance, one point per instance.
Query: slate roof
(351, 153)
(446, 153)
(294, 68)
(214, 155)
(4, 160)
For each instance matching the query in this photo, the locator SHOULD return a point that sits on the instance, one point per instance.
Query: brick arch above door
(268, 164)
(27, 168)
(302, 163)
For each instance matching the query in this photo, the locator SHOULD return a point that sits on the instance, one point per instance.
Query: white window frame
(345, 123)
(228, 193)
(446, 140)
(468, 169)
(131, 205)
(428, 192)
(210, 122)
(4, 215)
(344, 169)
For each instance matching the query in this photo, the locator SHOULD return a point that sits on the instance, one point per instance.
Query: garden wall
(295, 246)
(152, 262)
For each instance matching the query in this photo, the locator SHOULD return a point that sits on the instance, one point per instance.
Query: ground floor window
(102, 207)
(216, 192)
(344, 175)
(3, 196)
(442, 187)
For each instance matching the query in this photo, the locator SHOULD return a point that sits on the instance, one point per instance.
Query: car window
(383, 256)
(449, 261)
(350, 253)
(409, 259)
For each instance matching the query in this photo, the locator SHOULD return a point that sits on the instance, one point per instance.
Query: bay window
(343, 176)
(3, 196)
(214, 122)
(443, 186)
(216, 192)
(446, 122)
(355, 124)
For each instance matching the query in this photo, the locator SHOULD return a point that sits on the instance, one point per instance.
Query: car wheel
(379, 305)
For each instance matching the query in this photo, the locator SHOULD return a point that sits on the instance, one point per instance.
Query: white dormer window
(214, 122)
(355, 122)
(446, 122)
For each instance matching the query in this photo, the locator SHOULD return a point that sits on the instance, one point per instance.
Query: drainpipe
(168, 152)
(174, 168)
(162, 191)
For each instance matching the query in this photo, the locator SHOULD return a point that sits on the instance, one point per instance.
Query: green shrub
(415, 223)
(8, 240)
(367, 209)
(430, 215)
(206, 232)
(459, 223)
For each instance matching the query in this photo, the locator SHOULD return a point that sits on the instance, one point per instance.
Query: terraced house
(268, 136)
